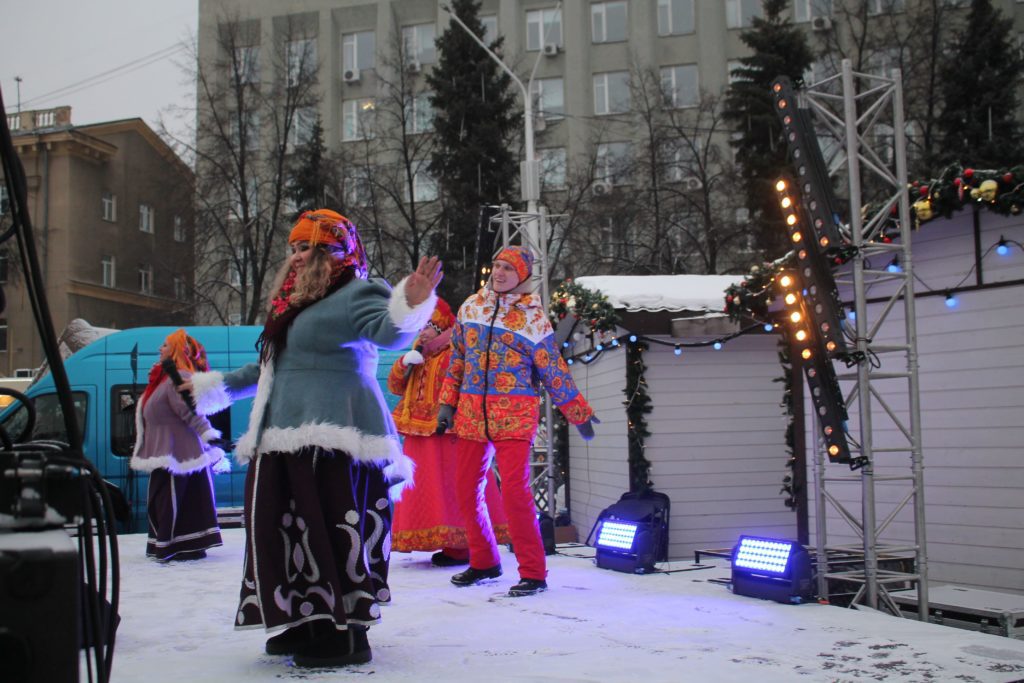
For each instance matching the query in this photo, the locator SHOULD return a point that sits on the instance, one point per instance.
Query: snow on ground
(592, 625)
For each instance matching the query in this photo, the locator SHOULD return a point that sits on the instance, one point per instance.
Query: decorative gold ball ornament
(923, 209)
(988, 189)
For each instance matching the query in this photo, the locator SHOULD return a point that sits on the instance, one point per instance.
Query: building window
(251, 139)
(247, 60)
(146, 279)
(613, 163)
(552, 168)
(424, 186)
(679, 85)
(418, 43)
(419, 114)
(179, 229)
(885, 6)
(609, 22)
(549, 98)
(543, 27)
(611, 92)
(805, 10)
(741, 13)
(234, 318)
(678, 160)
(109, 271)
(357, 119)
(302, 127)
(4, 264)
(109, 206)
(884, 63)
(5, 201)
(675, 17)
(147, 219)
(358, 191)
(358, 51)
(607, 228)
(3, 335)
(490, 24)
(300, 56)
(179, 289)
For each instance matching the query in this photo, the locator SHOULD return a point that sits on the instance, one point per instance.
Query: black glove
(445, 418)
(587, 428)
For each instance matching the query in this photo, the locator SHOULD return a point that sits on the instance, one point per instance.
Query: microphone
(172, 371)
(408, 368)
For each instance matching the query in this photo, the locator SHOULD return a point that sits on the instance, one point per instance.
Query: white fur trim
(222, 466)
(361, 446)
(211, 456)
(409, 318)
(246, 446)
(210, 393)
(210, 434)
(412, 357)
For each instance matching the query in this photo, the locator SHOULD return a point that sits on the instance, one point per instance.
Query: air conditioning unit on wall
(551, 50)
(350, 76)
(601, 188)
(692, 183)
(413, 66)
(820, 23)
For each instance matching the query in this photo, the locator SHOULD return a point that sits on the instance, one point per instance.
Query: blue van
(108, 376)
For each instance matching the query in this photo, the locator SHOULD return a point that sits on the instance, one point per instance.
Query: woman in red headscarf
(172, 443)
(427, 516)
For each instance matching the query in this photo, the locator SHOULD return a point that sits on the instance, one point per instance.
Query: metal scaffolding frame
(851, 107)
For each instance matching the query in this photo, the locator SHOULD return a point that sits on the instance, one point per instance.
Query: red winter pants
(513, 457)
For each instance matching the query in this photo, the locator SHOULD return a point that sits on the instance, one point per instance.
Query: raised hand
(423, 280)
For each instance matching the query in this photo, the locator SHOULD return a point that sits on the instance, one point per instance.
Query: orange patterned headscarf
(334, 231)
(187, 353)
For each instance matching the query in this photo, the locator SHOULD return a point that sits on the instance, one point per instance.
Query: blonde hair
(314, 280)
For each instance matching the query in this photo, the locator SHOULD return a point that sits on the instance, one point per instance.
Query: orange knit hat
(521, 259)
(333, 230)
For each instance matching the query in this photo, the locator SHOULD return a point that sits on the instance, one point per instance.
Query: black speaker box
(39, 607)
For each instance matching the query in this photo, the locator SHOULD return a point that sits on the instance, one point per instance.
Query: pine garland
(789, 485)
(592, 307)
(1001, 191)
(638, 404)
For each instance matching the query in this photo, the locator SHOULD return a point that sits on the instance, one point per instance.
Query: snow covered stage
(592, 625)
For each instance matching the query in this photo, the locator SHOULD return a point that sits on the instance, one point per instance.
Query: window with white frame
(358, 51)
(418, 43)
(108, 205)
(885, 6)
(609, 22)
(179, 229)
(679, 85)
(805, 10)
(234, 318)
(549, 98)
(303, 123)
(490, 24)
(678, 160)
(552, 167)
(424, 185)
(180, 292)
(675, 17)
(300, 56)
(358, 191)
(884, 63)
(741, 13)
(357, 117)
(611, 93)
(543, 27)
(146, 279)
(607, 232)
(419, 114)
(147, 219)
(251, 130)
(109, 271)
(613, 163)
(252, 198)
(247, 61)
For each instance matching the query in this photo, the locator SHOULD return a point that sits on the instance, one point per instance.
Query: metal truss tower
(853, 109)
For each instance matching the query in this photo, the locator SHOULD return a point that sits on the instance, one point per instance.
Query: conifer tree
(779, 49)
(476, 117)
(311, 173)
(979, 81)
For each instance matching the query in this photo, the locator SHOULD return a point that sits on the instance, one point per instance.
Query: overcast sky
(109, 59)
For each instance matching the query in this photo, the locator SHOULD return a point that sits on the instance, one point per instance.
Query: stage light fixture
(632, 534)
(772, 569)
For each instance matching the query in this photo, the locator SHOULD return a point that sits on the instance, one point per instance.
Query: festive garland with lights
(585, 304)
(955, 187)
(638, 405)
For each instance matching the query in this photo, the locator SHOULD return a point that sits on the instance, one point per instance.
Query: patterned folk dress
(322, 451)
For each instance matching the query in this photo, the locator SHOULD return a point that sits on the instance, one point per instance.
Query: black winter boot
(473, 576)
(527, 587)
(339, 648)
(288, 642)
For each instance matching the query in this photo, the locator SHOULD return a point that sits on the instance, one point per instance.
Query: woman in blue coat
(321, 446)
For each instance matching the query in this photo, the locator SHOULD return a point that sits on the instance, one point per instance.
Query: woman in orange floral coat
(427, 516)
(502, 347)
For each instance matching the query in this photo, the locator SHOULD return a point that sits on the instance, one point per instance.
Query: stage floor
(591, 625)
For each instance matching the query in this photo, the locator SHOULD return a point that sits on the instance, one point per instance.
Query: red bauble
(1008, 178)
(923, 190)
(958, 181)
(968, 173)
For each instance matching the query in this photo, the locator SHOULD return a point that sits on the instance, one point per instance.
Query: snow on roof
(662, 292)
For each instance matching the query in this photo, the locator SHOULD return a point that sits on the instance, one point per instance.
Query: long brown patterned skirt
(318, 541)
(182, 515)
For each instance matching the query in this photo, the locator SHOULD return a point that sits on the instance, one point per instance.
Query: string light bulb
(718, 346)
(1002, 248)
(894, 265)
(951, 300)
(678, 350)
